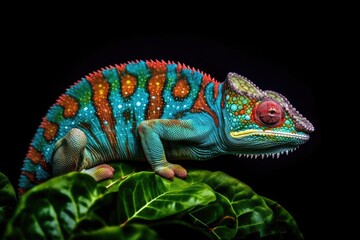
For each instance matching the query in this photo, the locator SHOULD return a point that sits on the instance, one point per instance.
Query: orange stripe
(155, 88)
(31, 176)
(128, 85)
(37, 159)
(50, 129)
(101, 90)
(69, 104)
(201, 104)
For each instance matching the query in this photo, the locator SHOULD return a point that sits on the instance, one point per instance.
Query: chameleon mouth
(270, 133)
(268, 155)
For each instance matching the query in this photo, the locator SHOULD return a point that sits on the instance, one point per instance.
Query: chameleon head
(261, 123)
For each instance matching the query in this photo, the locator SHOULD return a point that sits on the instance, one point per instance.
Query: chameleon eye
(269, 113)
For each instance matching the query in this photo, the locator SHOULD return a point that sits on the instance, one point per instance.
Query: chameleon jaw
(270, 133)
(267, 155)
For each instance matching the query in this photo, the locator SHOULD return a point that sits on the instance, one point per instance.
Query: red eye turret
(269, 113)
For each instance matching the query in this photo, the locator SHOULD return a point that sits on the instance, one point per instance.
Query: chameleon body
(156, 110)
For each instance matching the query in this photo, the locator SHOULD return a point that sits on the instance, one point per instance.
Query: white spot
(153, 97)
(158, 108)
(85, 108)
(138, 104)
(119, 106)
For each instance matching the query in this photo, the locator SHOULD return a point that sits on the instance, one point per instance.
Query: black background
(42, 60)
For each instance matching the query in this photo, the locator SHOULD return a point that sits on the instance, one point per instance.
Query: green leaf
(7, 201)
(147, 196)
(142, 205)
(52, 209)
(255, 217)
(283, 224)
(218, 218)
(129, 232)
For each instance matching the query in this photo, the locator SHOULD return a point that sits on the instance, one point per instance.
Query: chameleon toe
(178, 170)
(165, 172)
(100, 172)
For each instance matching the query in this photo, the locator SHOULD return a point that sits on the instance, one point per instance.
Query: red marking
(175, 122)
(180, 67)
(50, 129)
(222, 103)
(69, 104)
(37, 159)
(181, 89)
(157, 67)
(31, 176)
(155, 88)
(200, 104)
(101, 89)
(121, 69)
(128, 85)
(21, 191)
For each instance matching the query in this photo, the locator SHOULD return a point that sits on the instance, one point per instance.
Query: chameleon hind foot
(69, 156)
(171, 170)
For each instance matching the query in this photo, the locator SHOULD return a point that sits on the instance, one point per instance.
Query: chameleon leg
(152, 131)
(69, 155)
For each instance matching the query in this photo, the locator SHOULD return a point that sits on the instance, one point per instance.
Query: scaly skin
(155, 111)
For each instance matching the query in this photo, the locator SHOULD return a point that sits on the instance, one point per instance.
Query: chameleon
(157, 110)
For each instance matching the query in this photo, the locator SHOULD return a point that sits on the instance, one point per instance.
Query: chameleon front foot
(171, 170)
(100, 172)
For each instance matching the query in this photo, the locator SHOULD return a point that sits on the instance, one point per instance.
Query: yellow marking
(252, 132)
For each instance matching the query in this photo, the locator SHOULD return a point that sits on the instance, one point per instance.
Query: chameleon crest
(158, 111)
